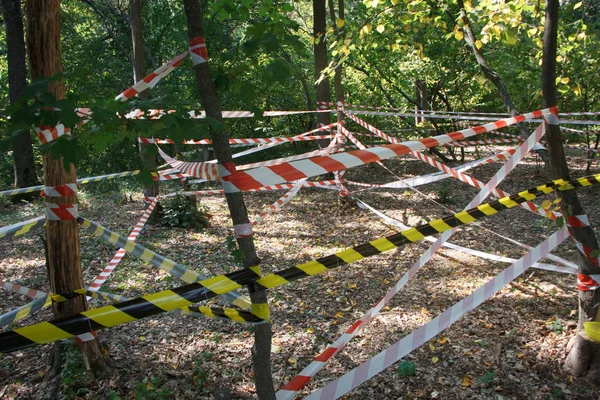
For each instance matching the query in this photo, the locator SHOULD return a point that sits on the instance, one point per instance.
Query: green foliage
(407, 369)
(237, 254)
(72, 374)
(487, 377)
(180, 212)
(154, 388)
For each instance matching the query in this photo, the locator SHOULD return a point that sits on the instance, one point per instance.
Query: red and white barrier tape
(61, 212)
(400, 349)
(280, 202)
(204, 170)
(292, 171)
(242, 230)
(151, 80)
(198, 51)
(69, 189)
(112, 264)
(32, 293)
(248, 141)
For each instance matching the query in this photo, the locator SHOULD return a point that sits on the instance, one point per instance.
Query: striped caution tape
(245, 141)
(242, 180)
(299, 381)
(61, 212)
(485, 142)
(158, 261)
(25, 310)
(585, 282)
(417, 338)
(223, 313)
(157, 114)
(21, 228)
(186, 295)
(47, 134)
(69, 189)
(280, 202)
(112, 264)
(204, 170)
(14, 287)
(198, 52)
(151, 80)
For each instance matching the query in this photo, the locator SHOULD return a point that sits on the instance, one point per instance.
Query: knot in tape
(587, 282)
(198, 51)
(69, 189)
(242, 230)
(59, 298)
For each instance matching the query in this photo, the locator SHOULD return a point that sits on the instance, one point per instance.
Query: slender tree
(583, 357)
(320, 52)
(62, 237)
(139, 72)
(23, 160)
(261, 351)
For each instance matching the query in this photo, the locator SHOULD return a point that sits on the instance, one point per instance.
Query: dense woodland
(487, 59)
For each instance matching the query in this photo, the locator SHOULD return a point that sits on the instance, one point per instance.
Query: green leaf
(576, 6)
(407, 368)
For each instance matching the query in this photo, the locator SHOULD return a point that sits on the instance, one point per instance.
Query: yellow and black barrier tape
(230, 314)
(171, 267)
(149, 305)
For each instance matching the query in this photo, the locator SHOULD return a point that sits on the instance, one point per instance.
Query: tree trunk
(261, 351)
(23, 161)
(492, 76)
(64, 267)
(421, 97)
(583, 357)
(139, 72)
(320, 52)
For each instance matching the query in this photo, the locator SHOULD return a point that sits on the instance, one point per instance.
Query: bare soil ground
(512, 347)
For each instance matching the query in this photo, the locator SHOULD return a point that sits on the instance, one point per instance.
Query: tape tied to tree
(61, 212)
(69, 189)
(198, 51)
(61, 298)
(47, 134)
(242, 230)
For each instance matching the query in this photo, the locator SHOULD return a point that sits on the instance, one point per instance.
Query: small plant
(407, 368)
(152, 390)
(181, 213)
(72, 374)
(487, 377)
(238, 254)
(199, 374)
(444, 193)
(555, 326)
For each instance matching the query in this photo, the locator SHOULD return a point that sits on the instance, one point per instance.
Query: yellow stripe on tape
(382, 244)
(507, 202)
(464, 217)
(439, 225)
(23, 313)
(43, 332)
(527, 195)
(167, 300)
(261, 310)
(272, 280)
(312, 267)
(220, 284)
(487, 209)
(350, 255)
(413, 235)
(233, 315)
(129, 246)
(108, 316)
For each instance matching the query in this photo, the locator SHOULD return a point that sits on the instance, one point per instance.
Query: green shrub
(180, 212)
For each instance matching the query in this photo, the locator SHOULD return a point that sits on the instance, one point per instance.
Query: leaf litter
(511, 347)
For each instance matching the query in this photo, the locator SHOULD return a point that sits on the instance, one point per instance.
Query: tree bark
(261, 351)
(320, 53)
(583, 358)
(139, 72)
(492, 76)
(64, 267)
(23, 160)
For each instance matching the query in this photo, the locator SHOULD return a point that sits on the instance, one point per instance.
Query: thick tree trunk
(261, 351)
(492, 76)
(139, 72)
(64, 267)
(23, 160)
(583, 358)
(320, 52)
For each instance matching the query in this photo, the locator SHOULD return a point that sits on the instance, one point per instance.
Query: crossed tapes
(184, 296)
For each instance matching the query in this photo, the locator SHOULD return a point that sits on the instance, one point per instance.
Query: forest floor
(511, 347)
